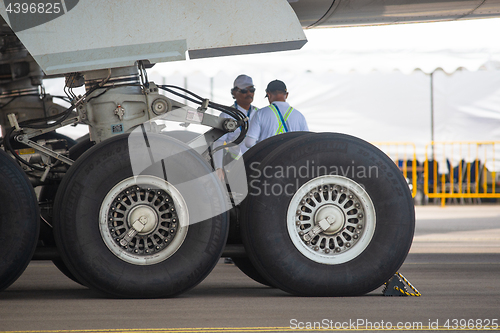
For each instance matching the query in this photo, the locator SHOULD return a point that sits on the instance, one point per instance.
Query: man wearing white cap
(279, 117)
(243, 91)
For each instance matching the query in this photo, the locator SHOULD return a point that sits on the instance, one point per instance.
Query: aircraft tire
(344, 182)
(170, 255)
(19, 221)
(252, 159)
(247, 268)
(48, 193)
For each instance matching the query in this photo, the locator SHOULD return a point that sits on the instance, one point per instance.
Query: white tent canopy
(427, 46)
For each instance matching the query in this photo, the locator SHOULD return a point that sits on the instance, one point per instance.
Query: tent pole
(432, 114)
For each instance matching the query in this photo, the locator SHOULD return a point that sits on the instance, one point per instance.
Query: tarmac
(454, 263)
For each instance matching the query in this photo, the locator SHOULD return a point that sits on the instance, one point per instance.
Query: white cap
(243, 81)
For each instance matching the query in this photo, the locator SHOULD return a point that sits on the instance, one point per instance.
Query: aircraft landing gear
(143, 215)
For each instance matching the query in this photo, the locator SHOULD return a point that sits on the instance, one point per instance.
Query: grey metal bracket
(30, 133)
(25, 140)
(185, 114)
(190, 115)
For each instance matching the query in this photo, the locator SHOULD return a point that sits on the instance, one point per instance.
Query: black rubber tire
(252, 158)
(19, 221)
(255, 155)
(78, 237)
(82, 145)
(48, 193)
(264, 226)
(247, 268)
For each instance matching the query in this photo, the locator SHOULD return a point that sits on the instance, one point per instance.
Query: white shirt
(235, 151)
(265, 123)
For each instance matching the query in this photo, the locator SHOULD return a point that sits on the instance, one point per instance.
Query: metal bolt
(147, 251)
(360, 215)
(316, 248)
(118, 199)
(298, 223)
(348, 244)
(112, 208)
(337, 249)
(299, 212)
(136, 251)
(327, 250)
(360, 226)
(112, 230)
(301, 233)
(158, 192)
(355, 236)
(111, 219)
(357, 205)
(351, 196)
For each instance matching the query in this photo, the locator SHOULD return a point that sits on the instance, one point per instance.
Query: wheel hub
(146, 214)
(141, 220)
(336, 213)
(336, 202)
(155, 211)
(331, 219)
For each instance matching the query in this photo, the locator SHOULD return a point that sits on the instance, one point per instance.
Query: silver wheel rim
(351, 219)
(161, 211)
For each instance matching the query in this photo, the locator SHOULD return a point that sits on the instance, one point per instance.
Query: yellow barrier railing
(405, 157)
(459, 170)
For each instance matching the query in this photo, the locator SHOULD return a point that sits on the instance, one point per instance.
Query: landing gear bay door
(81, 35)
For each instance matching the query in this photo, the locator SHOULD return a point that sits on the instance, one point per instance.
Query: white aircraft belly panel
(98, 34)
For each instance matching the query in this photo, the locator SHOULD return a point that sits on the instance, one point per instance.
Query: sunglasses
(244, 91)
